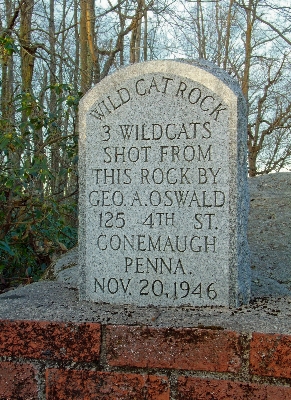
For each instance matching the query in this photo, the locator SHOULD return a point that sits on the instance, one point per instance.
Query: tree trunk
(76, 67)
(84, 48)
(7, 106)
(227, 34)
(135, 41)
(55, 155)
(145, 34)
(27, 51)
(200, 31)
(88, 54)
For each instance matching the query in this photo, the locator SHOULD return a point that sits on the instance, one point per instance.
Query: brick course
(50, 340)
(89, 385)
(180, 348)
(214, 389)
(17, 381)
(55, 360)
(270, 355)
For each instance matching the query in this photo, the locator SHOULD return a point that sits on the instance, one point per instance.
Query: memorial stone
(163, 188)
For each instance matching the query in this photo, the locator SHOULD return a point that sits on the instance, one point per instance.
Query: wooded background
(53, 51)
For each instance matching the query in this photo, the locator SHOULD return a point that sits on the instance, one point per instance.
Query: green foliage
(38, 208)
(7, 48)
(33, 239)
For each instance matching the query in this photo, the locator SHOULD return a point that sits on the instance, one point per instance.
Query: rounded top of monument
(200, 71)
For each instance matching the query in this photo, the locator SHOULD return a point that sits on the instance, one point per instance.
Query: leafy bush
(38, 185)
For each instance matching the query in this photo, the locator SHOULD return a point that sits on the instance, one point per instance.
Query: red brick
(17, 381)
(270, 355)
(87, 385)
(50, 340)
(180, 348)
(211, 389)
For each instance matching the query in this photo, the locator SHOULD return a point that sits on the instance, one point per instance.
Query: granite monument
(163, 188)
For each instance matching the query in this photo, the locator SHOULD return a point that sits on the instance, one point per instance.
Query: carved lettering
(157, 287)
(157, 191)
(160, 243)
(186, 153)
(124, 154)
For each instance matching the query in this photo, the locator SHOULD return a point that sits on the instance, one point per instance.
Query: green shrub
(38, 195)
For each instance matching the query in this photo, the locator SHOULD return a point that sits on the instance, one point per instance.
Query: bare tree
(244, 38)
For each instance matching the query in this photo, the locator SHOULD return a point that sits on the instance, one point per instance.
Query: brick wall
(52, 360)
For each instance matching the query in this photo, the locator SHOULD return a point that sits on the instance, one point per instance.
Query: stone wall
(53, 346)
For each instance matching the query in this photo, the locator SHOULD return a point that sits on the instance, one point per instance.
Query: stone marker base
(71, 360)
